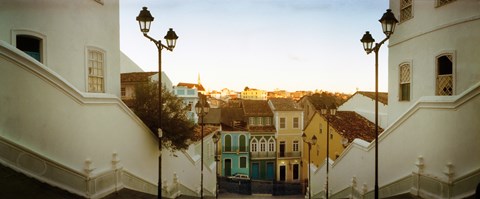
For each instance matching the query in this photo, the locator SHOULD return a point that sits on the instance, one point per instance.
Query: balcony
(292, 154)
(263, 155)
(233, 149)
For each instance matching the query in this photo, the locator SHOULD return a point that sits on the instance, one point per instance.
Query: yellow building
(345, 126)
(288, 120)
(254, 94)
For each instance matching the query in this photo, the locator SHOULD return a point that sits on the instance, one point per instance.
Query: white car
(238, 177)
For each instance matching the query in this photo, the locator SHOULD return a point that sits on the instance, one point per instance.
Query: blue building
(234, 139)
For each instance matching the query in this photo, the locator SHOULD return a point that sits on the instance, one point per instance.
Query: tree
(177, 128)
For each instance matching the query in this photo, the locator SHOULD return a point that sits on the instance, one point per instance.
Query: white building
(61, 117)
(430, 145)
(363, 103)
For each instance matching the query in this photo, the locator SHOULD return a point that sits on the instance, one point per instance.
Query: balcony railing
(235, 149)
(292, 154)
(263, 154)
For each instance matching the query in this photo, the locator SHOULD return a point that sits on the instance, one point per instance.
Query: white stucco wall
(365, 106)
(45, 114)
(127, 65)
(68, 28)
(455, 28)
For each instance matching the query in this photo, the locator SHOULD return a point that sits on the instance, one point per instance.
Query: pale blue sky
(264, 44)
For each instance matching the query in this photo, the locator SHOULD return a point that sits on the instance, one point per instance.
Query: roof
(284, 104)
(207, 130)
(351, 125)
(213, 116)
(232, 119)
(320, 100)
(136, 76)
(382, 96)
(256, 108)
(199, 87)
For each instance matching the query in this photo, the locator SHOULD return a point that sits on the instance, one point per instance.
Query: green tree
(177, 128)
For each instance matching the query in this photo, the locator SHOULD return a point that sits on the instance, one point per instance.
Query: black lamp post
(327, 112)
(202, 109)
(144, 20)
(389, 22)
(313, 141)
(216, 138)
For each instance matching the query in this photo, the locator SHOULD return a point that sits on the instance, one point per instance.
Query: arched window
(444, 75)
(242, 143)
(228, 143)
(271, 144)
(30, 45)
(404, 87)
(263, 145)
(254, 145)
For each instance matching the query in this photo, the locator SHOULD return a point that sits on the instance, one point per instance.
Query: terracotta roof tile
(284, 104)
(232, 119)
(256, 108)
(136, 76)
(190, 85)
(320, 100)
(207, 130)
(352, 125)
(382, 96)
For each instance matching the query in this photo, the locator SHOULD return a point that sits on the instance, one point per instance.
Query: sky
(265, 44)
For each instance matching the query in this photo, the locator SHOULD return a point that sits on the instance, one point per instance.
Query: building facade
(262, 142)
(288, 122)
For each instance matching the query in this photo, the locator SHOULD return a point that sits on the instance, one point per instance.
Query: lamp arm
(378, 45)
(158, 43)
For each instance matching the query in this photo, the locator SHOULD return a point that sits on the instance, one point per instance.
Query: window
(271, 144)
(444, 75)
(251, 120)
(295, 122)
(254, 145)
(30, 45)
(242, 143)
(263, 144)
(96, 62)
(439, 3)
(406, 10)
(228, 143)
(404, 82)
(243, 162)
(190, 92)
(321, 129)
(268, 121)
(260, 121)
(282, 122)
(295, 145)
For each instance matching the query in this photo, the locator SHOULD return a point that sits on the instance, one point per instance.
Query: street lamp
(216, 138)
(313, 141)
(388, 22)
(145, 20)
(327, 112)
(202, 109)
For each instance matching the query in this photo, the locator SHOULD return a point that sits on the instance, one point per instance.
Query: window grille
(406, 10)
(282, 122)
(443, 2)
(405, 82)
(295, 145)
(295, 122)
(444, 75)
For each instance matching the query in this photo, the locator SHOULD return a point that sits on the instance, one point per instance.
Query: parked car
(239, 177)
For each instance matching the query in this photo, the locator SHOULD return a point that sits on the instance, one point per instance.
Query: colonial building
(363, 103)
(262, 139)
(431, 140)
(288, 121)
(254, 94)
(235, 157)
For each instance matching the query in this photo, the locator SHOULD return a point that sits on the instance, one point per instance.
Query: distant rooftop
(199, 87)
(256, 108)
(284, 104)
(352, 125)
